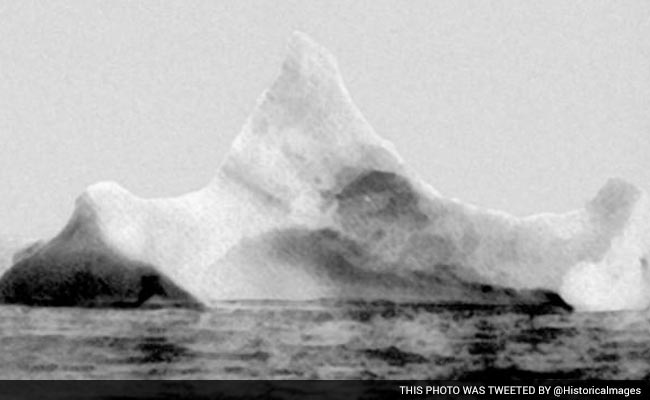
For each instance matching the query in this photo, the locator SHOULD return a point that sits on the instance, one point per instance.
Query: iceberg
(311, 203)
(8, 247)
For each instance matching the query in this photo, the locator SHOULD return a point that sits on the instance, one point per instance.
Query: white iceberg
(311, 203)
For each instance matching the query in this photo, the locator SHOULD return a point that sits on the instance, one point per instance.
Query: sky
(520, 106)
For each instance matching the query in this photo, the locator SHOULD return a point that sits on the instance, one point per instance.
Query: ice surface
(311, 203)
(8, 247)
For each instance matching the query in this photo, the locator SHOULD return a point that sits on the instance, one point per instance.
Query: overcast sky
(524, 106)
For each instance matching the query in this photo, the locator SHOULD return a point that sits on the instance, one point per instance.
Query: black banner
(324, 390)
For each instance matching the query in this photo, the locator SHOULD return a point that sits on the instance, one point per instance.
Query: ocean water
(322, 340)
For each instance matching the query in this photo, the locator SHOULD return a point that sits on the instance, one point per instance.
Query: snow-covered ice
(311, 203)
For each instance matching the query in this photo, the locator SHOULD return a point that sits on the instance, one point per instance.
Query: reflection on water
(322, 340)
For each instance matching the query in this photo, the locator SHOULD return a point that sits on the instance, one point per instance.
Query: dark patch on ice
(359, 274)
(239, 175)
(89, 278)
(379, 194)
(27, 251)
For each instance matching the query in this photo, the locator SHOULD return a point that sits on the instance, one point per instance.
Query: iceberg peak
(616, 193)
(615, 202)
(308, 60)
(308, 95)
(305, 130)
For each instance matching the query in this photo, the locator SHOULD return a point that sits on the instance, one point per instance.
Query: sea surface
(322, 340)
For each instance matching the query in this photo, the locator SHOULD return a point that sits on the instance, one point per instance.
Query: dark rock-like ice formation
(9, 247)
(311, 203)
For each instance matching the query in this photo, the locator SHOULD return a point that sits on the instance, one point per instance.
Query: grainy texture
(323, 340)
